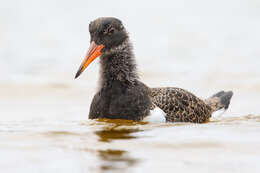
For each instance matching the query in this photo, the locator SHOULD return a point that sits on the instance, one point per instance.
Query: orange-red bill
(94, 51)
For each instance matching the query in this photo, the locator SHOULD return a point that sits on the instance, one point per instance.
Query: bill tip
(77, 75)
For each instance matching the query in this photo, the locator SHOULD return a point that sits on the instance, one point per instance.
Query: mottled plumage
(122, 96)
(183, 106)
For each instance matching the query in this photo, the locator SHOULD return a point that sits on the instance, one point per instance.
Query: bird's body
(181, 105)
(121, 95)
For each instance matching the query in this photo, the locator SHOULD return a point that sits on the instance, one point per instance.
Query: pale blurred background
(199, 45)
(203, 46)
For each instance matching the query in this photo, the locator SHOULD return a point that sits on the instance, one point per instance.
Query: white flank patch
(156, 115)
(218, 113)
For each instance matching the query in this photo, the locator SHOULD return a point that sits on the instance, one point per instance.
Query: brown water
(45, 129)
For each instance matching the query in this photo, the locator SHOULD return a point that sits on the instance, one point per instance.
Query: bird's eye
(108, 30)
(111, 30)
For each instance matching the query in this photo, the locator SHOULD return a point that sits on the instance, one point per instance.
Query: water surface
(36, 139)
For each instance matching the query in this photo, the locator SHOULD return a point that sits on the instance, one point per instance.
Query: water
(201, 46)
(45, 129)
(125, 146)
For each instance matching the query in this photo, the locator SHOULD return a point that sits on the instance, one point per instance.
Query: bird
(121, 94)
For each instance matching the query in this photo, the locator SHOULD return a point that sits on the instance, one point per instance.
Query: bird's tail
(219, 100)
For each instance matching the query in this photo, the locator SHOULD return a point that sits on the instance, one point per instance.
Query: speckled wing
(180, 105)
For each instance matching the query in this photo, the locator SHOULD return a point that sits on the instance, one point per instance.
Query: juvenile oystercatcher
(121, 95)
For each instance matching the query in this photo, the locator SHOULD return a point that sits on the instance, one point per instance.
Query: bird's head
(105, 34)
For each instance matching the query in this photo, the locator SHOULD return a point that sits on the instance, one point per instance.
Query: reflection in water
(117, 129)
(109, 135)
(115, 159)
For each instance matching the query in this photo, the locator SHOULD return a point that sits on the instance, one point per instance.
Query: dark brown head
(106, 33)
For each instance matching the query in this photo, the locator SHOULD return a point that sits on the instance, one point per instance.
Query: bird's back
(180, 105)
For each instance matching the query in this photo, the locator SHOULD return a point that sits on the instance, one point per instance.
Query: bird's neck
(118, 65)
